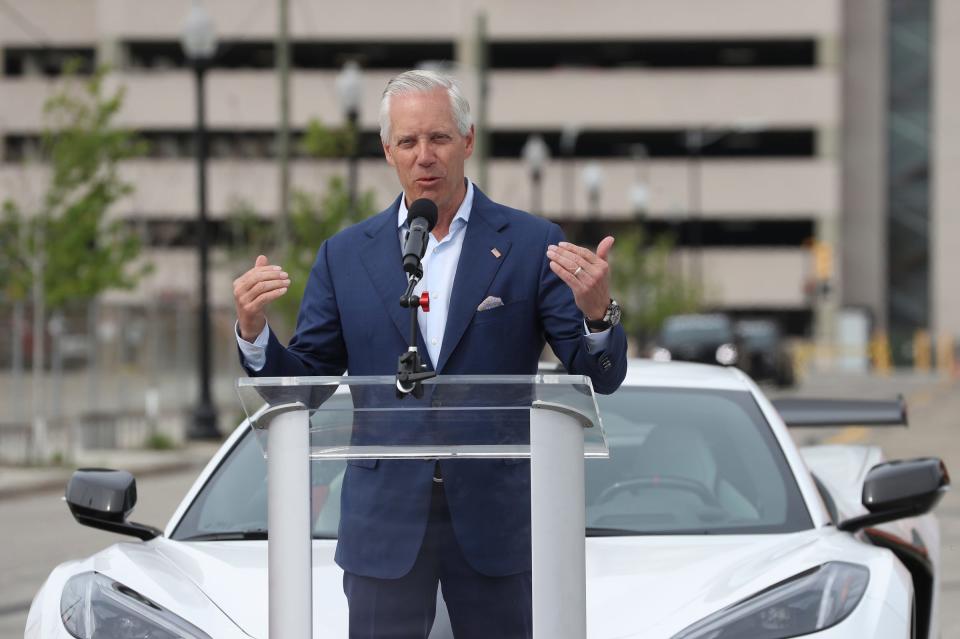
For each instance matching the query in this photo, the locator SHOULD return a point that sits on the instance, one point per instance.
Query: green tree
(64, 249)
(68, 240)
(649, 289)
(14, 270)
(314, 217)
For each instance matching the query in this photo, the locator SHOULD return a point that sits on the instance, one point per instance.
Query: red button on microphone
(425, 301)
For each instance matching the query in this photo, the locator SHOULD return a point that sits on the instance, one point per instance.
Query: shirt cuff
(254, 354)
(596, 342)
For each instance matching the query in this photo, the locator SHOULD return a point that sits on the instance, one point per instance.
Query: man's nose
(425, 154)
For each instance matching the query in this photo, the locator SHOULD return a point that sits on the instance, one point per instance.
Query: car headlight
(811, 601)
(727, 354)
(93, 605)
(660, 354)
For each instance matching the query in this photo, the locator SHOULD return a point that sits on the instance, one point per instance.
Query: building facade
(756, 127)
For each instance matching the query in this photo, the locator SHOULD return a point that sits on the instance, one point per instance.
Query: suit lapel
(475, 270)
(381, 259)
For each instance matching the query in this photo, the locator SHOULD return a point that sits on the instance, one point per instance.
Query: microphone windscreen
(424, 208)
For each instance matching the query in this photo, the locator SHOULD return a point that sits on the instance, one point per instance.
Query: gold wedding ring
(576, 272)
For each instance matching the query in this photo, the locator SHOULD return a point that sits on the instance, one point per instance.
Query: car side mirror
(898, 489)
(103, 498)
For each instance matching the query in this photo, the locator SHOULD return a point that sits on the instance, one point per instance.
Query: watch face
(613, 313)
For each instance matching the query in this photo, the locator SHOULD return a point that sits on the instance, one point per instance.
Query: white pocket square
(490, 302)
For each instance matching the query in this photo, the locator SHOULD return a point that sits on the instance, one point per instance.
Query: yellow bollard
(880, 353)
(945, 355)
(921, 351)
(802, 356)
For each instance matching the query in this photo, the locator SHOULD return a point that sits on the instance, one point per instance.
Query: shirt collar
(463, 213)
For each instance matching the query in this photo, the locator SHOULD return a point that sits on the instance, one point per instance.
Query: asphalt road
(39, 533)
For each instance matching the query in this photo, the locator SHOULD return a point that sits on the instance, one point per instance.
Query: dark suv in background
(770, 359)
(705, 338)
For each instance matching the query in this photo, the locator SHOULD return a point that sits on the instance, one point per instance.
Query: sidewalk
(16, 481)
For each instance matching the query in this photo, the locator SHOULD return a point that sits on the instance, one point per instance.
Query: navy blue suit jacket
(350, 319)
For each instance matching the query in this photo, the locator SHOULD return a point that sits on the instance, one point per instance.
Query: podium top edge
(540, 379)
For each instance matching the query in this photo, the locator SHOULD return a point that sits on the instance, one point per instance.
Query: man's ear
(470, 139)
(386, 154)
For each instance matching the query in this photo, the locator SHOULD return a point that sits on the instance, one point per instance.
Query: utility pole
(826, 295)
(38, 439)
(472, 63)
(283, 132)
(17, 367)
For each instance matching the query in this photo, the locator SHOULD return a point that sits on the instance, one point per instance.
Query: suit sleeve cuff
(255, 353)
(596, 342)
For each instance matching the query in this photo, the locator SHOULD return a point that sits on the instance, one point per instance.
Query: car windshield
(690, 461)
(696, 330)
(758, 334)
(681, 462)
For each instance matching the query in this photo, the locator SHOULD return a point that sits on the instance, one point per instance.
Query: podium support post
(558, 523)
(289, 557)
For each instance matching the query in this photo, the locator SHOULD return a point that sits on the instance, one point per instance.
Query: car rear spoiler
(802, 411)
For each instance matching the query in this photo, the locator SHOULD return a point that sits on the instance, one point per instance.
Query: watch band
(610, 318)
(598, 325)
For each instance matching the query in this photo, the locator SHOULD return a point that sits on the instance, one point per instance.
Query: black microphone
(422, 217)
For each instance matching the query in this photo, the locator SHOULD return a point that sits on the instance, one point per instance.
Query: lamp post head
(198, 38)
(349, 84)
(592, 177)
(639, 198)
(568, 139)
(535, 154)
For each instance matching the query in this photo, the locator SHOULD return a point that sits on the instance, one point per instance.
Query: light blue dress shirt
(439, 270)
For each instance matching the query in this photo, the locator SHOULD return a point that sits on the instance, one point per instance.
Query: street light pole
(568, 145)
(695, 150)
(696, 140)
(199, 44)
(639, 192)
(535, 155)
(349, 84)
(593, 180)
(352, 120)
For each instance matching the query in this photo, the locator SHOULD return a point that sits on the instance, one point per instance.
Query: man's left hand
(586, 273)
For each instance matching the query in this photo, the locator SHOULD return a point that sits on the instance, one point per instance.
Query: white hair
(423, 81)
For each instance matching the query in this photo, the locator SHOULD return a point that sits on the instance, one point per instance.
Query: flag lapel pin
(496, 252)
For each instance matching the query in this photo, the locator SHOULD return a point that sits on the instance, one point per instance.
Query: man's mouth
(428, 181)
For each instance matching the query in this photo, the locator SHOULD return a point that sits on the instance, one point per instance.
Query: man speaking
(501, 283)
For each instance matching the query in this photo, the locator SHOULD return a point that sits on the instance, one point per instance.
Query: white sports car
(706, 522)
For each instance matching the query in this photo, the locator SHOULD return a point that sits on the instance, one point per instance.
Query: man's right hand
(253, 290)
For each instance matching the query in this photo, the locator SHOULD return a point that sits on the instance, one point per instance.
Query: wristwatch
(610, 318)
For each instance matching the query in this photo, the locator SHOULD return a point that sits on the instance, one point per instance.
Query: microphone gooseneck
(422, 217)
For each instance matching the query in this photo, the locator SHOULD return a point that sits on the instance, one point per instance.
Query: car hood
(636, 586)
(234, 575)
(656, 586)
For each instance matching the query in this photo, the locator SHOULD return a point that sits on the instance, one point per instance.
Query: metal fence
(115, 376)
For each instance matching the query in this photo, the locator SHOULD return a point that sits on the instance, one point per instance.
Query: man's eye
(440, 137)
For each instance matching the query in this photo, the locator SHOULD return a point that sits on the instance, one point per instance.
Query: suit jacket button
(605, 362)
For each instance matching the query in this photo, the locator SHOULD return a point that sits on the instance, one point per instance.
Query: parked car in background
(770, 358)
(703, 338)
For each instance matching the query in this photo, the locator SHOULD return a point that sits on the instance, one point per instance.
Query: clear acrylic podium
(552, 420)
